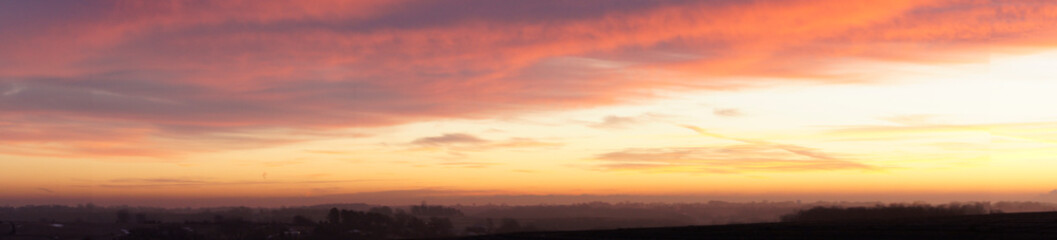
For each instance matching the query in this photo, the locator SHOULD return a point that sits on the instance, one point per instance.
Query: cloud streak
(727, 112)
(463, 141)
(620, 122)
(720, 160)
(1026, 131)
(191, 182)
(798, 150)
(749, 155)
(449, 139)
(459, 145)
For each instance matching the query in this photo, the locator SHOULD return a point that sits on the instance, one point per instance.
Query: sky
(181, 103)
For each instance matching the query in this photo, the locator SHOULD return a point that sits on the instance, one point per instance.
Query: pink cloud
(178, 68)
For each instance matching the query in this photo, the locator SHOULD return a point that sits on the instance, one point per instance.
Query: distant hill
(1039, 225)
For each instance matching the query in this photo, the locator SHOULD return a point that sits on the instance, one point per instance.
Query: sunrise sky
(124, 101)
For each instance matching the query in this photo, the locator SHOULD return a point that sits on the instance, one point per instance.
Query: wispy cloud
(727, 112)
(750, 155)
(1027, 131)
(803, 151)
(158, 180)
(619, 122)
(459, 148)
(523, 143)
(449, 139)
(194, 182)
(73, 137)
(727, 159)
(615, 122)
(284, 162)
(467, 142)
(462, 164)
(328, 152)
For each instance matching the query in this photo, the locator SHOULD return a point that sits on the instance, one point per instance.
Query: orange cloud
(180, 69)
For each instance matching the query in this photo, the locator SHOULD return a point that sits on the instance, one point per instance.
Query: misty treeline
(888, 212)
(127, 214)
(426, 210)
(414, 221)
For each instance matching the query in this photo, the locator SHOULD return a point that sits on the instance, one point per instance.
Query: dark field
(1042, 225)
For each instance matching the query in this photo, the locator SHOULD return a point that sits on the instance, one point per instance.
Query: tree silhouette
(123, 216)
(302, 220)
(508, 225)
(334, 216)
(440, 227)
(892, 211)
